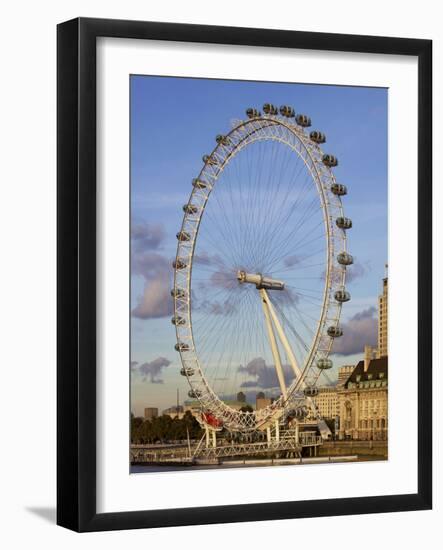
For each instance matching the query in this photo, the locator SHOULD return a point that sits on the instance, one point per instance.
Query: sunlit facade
(363, 402)
(383, 320)
(363, 396)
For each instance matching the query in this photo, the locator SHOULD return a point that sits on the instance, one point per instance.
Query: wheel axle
(259, 281)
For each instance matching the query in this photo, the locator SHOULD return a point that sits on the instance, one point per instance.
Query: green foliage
(164, 428)
(247, 409)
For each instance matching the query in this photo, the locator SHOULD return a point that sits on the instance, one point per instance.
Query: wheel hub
(259, 281)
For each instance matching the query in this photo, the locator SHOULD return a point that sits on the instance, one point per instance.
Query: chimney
(370, 353)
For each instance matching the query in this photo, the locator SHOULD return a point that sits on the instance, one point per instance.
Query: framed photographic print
(244, 274)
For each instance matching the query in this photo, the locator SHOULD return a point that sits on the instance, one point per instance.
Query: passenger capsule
(252, 113)
(182, 236)
(222, 140)
(324, 364)
(208, 159)
(187, 371)
(310, 391)
(300, 413)
(330, 161)
(194, 394)
(199, 184)
(339, 189)
(345, 259)
(303, 120)
(317, 137)
(178, 321)
(342, 295)
(335, 332)
(343, 223)
(287, 111)
(270, 109)
(178, 293)
(181, 347)
(190, 209)
(179, 264)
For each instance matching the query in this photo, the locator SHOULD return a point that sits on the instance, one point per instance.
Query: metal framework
(285, 130)
(286, 444)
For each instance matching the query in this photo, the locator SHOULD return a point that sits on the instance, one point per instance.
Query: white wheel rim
(244, 134)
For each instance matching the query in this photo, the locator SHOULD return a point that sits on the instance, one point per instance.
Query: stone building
(362, 391)
(363, 402)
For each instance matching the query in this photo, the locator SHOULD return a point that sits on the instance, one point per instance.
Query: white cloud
(156, 300)
(359, 331)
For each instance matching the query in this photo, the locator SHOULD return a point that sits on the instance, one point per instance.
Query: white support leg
(282, 336)
(273, 343)
(214, 439)
(277, 431)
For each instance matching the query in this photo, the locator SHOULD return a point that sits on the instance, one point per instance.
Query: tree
(164, 428)
(136, 424)
(241, 397)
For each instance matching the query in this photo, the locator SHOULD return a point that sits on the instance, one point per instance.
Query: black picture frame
(76, 265)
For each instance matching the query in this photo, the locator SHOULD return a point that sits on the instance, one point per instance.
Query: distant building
(383, 320)
(151, 412)
(193, 406)
(174, 412)
(326, 402)
(261, 401)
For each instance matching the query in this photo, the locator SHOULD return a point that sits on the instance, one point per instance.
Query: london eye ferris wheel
(260, 269)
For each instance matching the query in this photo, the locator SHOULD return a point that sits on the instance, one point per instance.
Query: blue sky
(174, 122)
